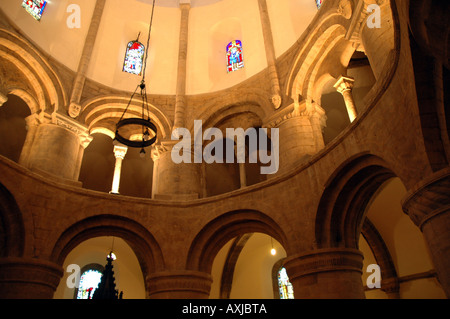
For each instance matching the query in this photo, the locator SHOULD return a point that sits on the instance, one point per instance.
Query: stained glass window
(285, 287)
(319, 3)
(134, 58)
(89, 281)
(235, 59)
(35, 7)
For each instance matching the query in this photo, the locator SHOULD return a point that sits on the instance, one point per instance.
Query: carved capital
(120, 151)
(428, 199)
(344, 83)
(161, 148)
(80, 130)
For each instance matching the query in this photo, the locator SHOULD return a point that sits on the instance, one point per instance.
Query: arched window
(235, 60)
(89, 280)
(284, 286)
(134, 58)
(35, 7)
(319, 3)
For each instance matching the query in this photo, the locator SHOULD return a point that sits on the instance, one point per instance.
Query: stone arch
(103, 113)
(221, 230)
(320, 42)
(389, 276)
(141, 241)
(46, 86)
(347, 193)
(12, 229)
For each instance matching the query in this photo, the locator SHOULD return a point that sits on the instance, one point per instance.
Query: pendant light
(147, 128)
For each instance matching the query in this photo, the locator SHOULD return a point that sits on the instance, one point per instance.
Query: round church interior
(347, 99)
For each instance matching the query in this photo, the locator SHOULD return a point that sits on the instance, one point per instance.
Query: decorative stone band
(28, 278)
(324, 260)
(429, 198)
(179, 284)
(73, 126)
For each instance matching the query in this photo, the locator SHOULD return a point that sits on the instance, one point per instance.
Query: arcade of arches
(364, 149)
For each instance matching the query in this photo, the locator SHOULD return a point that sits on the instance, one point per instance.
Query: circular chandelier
(147, 128)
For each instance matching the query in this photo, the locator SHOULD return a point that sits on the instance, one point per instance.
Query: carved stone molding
(80, 130)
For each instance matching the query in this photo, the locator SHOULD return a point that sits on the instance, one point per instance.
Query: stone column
(54, 145)
(182, 284)
(28, 278)
(331, 273)
(428, 206)
(174, 181)
(345, 86)
(298, 137)
(270, 53)
(119, 153)
(78, 85)
(180, 103)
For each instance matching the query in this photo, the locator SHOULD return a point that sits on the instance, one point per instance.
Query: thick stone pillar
(119, 153)
(345, 86)
(183, 284)
(270, 54)
(181, 181)
(378, 42)
(299, 138)
(28, 278)
(332, 273)
(428, 206)
(54, 145)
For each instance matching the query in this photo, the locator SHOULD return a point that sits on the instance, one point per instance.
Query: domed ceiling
(212, 25)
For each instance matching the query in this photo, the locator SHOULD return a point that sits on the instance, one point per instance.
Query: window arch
(284, 286)
(134, 58)
(89, 280)
(319, 3)
(34, 7)
(235, 60)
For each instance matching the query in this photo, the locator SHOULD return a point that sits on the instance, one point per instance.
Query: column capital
(28, 278)
(324, 260)
(344, 83)
(179, 284)
(79, 129)
(428, 198)
(185, 4)
(120, 150)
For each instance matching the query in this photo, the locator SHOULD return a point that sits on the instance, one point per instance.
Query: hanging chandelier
(146, 127)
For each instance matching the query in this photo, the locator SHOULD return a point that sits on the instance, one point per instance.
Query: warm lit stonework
(353, 98)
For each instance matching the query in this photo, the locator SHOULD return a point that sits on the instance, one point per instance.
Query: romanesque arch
(226, 227)
(140, 240)
(340, 214)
